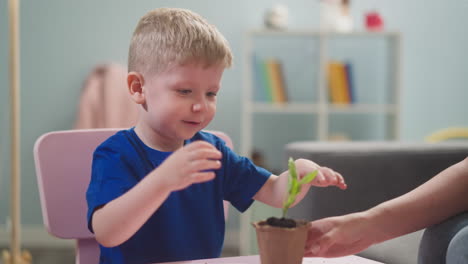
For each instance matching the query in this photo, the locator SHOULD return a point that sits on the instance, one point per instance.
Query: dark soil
(281, 222)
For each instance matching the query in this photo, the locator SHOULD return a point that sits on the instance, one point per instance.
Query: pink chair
(63, 169)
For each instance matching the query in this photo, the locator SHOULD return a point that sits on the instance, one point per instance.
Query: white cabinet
(308, 114)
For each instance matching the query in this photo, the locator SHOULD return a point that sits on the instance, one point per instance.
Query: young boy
(156, 191)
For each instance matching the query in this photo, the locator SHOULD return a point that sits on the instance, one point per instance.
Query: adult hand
(340, 236)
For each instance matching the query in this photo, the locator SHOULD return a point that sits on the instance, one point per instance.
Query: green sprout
(294, 185)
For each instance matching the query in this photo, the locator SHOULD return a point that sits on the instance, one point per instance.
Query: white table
(256, 260)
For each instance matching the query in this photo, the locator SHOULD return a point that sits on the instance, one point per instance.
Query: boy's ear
(135, 83)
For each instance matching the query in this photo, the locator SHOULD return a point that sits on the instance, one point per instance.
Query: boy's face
(181, 101)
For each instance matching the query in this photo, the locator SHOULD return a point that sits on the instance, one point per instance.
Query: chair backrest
(63, 168)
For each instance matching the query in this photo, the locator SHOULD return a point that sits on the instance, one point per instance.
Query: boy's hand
(325, 177)
(190, 164)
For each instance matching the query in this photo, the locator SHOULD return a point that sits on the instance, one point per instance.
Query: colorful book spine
(339, 85)
(269, 80)
(280, 79)
(259, 81)
(275, 77)
(349, 79)
(334, 81)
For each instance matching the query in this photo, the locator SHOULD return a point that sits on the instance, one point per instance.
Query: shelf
(331, 108)
(304, 55)
(284, 108)
(362, 108)
(315, 33)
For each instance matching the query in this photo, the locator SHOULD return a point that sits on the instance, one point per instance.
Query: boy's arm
(274, 191)
(118, 220)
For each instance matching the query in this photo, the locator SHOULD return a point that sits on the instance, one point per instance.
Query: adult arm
(434, 201)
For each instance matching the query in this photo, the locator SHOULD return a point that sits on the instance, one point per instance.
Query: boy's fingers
(319, 179)
(329, 173)
(203, 154)
(332, 177)
(324, 177)
(202, 150)
(340, 181)
(202, 176)
(199, 144)
(201, 165)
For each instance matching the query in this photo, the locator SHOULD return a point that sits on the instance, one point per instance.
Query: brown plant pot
(279, 245)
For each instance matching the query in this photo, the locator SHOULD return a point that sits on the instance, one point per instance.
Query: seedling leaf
(294, 185)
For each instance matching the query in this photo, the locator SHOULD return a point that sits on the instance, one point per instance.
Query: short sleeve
(242, 179)
(111, 176)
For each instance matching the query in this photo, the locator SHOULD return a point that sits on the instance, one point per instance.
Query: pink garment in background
(105, 101)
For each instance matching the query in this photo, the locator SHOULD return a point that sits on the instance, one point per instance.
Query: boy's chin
(188, 136)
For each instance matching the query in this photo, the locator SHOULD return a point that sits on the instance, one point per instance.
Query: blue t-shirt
(190, 223)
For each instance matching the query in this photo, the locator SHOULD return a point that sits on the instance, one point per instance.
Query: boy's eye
(184, 91)
(211, 94)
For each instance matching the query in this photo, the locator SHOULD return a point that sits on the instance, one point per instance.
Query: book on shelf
(270, 85)
(350, 81)
(262, 90)
(340, 82)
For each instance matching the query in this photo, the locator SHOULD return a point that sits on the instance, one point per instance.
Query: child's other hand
(325, 177)
(193, 163)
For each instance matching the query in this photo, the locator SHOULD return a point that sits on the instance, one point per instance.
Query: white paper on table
(344, 260)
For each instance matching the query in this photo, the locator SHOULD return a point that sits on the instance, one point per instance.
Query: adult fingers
(319, 247)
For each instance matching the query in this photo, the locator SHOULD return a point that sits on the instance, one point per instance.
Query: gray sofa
(375, 172)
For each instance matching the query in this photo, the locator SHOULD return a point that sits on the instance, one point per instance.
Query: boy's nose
(196, 107)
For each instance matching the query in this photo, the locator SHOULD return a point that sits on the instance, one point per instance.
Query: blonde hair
(172, 35)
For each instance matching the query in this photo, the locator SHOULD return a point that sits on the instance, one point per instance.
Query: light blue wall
(62, 40)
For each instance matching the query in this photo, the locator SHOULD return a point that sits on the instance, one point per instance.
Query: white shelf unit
(321, 107)
(321, 111)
